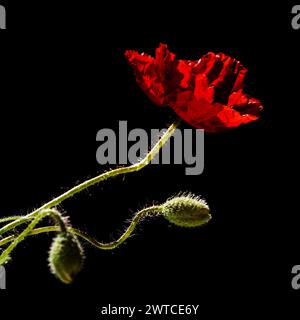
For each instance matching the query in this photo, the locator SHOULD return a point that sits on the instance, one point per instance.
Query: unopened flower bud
(186, 211)
(66, 257)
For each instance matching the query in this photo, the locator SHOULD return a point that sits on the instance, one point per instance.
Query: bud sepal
(66, 257)
(186, 210)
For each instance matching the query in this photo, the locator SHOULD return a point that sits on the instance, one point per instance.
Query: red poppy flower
(207, 93)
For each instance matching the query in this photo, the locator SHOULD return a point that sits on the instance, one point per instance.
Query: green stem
(151, 211)
(104, 176)
(14, 224)
(7, 219)
(5, 254)
(113, 173)
(59, 220)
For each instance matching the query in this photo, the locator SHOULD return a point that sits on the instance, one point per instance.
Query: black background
(64, 77)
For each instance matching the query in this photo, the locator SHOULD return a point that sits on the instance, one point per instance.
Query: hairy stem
(7, 219)
(56, 216)
(104, 176)
(5, 254)
(151, 211)
(14, 224)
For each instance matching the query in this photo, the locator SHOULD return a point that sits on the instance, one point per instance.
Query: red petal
(239, 82)
(206, 93)
(185, 69)
(147, 76)
(231, 118)
(202, 90)
(244, 104)
(238, 99)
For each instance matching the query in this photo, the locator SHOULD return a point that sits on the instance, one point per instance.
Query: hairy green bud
(186, 211)
(66, 257)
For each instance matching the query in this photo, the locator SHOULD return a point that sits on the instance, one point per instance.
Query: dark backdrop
(64, 77)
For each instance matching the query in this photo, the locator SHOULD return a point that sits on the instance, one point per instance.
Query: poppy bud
(66, 257)
(186, 211)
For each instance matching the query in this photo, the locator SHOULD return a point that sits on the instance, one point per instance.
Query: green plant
(207, 93)
(66, 254)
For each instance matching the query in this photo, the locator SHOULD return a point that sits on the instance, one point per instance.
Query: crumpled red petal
(146, 73)
(207, 93)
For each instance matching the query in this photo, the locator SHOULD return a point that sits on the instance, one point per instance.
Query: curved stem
(151, 211)
(113, 173)
(104, 176)
(59, 220)
(154, 210)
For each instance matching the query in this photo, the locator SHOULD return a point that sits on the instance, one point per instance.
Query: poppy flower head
(206, 93)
